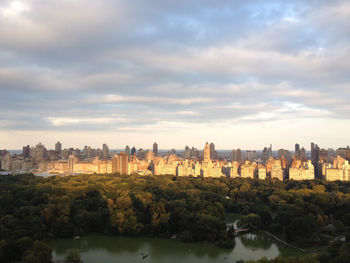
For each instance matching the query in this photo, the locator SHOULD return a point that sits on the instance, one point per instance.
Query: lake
(106, 249)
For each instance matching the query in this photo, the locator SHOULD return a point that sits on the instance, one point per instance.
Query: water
(105, 249)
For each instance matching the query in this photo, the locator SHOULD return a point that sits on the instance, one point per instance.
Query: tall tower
(58, 147)
(314, 153)
(155, 149)
(315, 150)
(206, 152)
(270, 151)
(212, 151)
(297, 151)
(127, 151)
(187, 152)
(105, 152)
(239, 155)
(303, 154)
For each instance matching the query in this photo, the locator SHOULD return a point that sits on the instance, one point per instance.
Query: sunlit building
(248, 169)
(301, 170)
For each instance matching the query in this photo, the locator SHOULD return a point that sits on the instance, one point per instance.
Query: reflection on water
(104, 249)
(254, 241)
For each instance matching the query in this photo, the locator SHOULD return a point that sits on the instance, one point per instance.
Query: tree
(39, 253)
(250, 220)
(72, 256)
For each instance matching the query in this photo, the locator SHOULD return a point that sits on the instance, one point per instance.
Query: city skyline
(328, 164)
(307, 148)
(242, 74)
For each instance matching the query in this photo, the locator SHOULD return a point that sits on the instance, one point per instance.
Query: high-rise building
(88, 153)
(269, 152)
(297, 151)
(323, 155)
(105, 153)
(155, 149)
(72, 160)
(303, 154)
(342, 152)
(265, 155)
(286, 155)
(6, 162)
(250, 155)
(127, 151)
(195, 152)
(206, 152)
(187, 152)
(149, 156)
(314, 153)
(120, 163)
(26, 151)
(213, 154)
(239, 155)
(332, 154)
(133, 150)
(348, 153)
(58, 147)
(38, 153)
(236, 155)
(141, 154)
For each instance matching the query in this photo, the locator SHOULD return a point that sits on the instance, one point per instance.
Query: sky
(242, 74)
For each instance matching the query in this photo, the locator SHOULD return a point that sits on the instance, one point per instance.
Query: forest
(306, 214)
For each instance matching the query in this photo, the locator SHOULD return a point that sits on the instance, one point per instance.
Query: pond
(105, 249)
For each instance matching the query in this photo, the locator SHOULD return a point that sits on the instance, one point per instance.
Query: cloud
(113, 98)
(14, 9)
(65, 121)
(187, 112)
(139, 67)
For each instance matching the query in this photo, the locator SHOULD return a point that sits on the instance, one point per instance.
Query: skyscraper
(303, 154)
(105, 151)
(58, 147)
(187, 152)
(26, 151)
(141, 154)
(265, 155)
(133, 150)
(206, 152)
(213, 154)
(155, 149)
(270, 153)
(323, 155)
(314, 153)
(297, 151)
(39, 153)
(127, 151)
(239, 155)
(236, 155)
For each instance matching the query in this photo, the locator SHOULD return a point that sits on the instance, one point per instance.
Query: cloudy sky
(239, 73)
